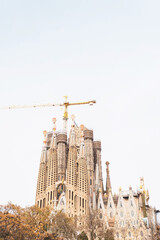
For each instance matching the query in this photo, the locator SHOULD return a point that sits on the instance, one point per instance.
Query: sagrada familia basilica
(70, 179)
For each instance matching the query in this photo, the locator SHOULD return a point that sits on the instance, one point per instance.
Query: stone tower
(71, 174)
(108, 181)
(70, 168)
(70, 179)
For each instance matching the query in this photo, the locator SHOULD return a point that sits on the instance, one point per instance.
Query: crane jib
(65, 105)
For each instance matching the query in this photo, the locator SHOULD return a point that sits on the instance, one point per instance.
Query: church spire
(53, 142)
(73, 134)
(81, 153)
(44, 148)
(108, 182)
(45, 138)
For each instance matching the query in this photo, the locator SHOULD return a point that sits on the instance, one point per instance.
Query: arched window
(100, 215)
(111, 214)
(83, 202)
(129, 234)
(117, 235)
(72, 195)
(51, 195)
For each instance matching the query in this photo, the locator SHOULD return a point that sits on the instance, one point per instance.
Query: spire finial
(107, 163)
(54, 124)
(53, 142)
(45, 137)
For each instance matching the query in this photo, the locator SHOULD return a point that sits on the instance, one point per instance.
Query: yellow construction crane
(66, 104)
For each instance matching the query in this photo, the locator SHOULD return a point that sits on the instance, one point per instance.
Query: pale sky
(104, 50)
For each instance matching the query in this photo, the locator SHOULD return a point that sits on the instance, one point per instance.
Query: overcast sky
(104, 50)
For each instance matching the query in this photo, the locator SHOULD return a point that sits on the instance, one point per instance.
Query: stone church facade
(70, 179)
